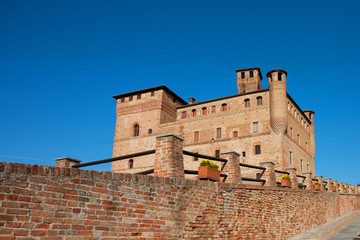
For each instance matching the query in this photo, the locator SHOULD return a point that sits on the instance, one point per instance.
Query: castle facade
(259, 124)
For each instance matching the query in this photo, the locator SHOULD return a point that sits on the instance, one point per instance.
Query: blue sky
(62, 61)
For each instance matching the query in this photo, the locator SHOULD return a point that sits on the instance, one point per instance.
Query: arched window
(131, 164)
(259, 101)
(247, 103)
(183, 115)
(235, 134)
(193, 112)
(136, 130)
(224, 107)
(213, 109)
(204, 110)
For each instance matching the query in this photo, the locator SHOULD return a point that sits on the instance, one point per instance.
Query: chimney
(191, 100)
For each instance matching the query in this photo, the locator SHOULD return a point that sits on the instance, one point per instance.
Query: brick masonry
(51, 203)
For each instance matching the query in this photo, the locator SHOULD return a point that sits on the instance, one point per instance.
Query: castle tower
(248, 79)
(310, 114)
(278, 100)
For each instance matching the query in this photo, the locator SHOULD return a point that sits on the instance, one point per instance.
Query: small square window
(257, 149)
(218, 133)
(255, 127)
(152, 93)
(242, 74)
(244, 154)
(251, 73)
(138, 96)
(217, 153)
(247, 103)
(150, 131)
(130, 98)
(122, 99)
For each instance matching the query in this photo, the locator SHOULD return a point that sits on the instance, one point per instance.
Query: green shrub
(206, 162)
(317, 183)
(300, 185)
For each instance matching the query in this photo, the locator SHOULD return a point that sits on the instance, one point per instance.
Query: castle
(259, 124)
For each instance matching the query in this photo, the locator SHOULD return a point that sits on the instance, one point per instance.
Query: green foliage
(206, 162)
(317, 183)
(345, 187)
(333, 185)
(286, 176)
(300, 185)
(278, 184)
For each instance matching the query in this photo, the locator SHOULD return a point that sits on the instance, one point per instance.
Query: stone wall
(43, 202)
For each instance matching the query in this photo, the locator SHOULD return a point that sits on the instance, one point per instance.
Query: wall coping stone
(68, 159)
(306, 173)
(170, 134)
(267, 162)
(290, 168)
(231, 152)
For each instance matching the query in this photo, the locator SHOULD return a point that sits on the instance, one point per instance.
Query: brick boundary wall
(52, 203)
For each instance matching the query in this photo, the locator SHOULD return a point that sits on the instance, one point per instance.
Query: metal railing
(258, 177)
(115, 159)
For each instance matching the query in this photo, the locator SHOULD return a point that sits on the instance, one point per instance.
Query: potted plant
(285, 180)
(353, 190)
(345, 189)
(334, 187)
(317, 185)
(209, 170)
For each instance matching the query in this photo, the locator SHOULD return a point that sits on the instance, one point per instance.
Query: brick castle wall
(43, 202)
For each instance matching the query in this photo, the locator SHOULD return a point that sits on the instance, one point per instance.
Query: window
(136, 130)
(307, 167)
(235, 134)
(291, 132)
(242, 74)
(290, 157)
(130, 98)
(131, 164)
(257, 149)
(251, 73)
(204, 111)
(298, 138)
(244, 154)
(150, 131)
(193, 112)
(183, 115)
(306, 146)
(218, 133)
(301, 165)
(138, 96)
(279, 76)
(123, 99)
(259, 101)
(224, 107)
(196, 136)
(217, 153)
(152, 93)
(255, 127)
(213, 109)
(247, 103)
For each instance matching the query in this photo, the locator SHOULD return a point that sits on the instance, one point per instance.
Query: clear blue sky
(62, 61)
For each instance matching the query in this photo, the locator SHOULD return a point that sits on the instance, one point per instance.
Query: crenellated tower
(278, 100)
(248, 79)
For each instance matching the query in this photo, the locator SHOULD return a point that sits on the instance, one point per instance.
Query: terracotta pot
(285, 183)
(345, 190)
(206, 172)
(316, 187)
(334, 189)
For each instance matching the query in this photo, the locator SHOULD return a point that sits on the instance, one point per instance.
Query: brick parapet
(294, 181)
(320, 180)
(66, 162)
(169, 160)
(269, 174)
(232, 167)
(67, 202)
(308, 181)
